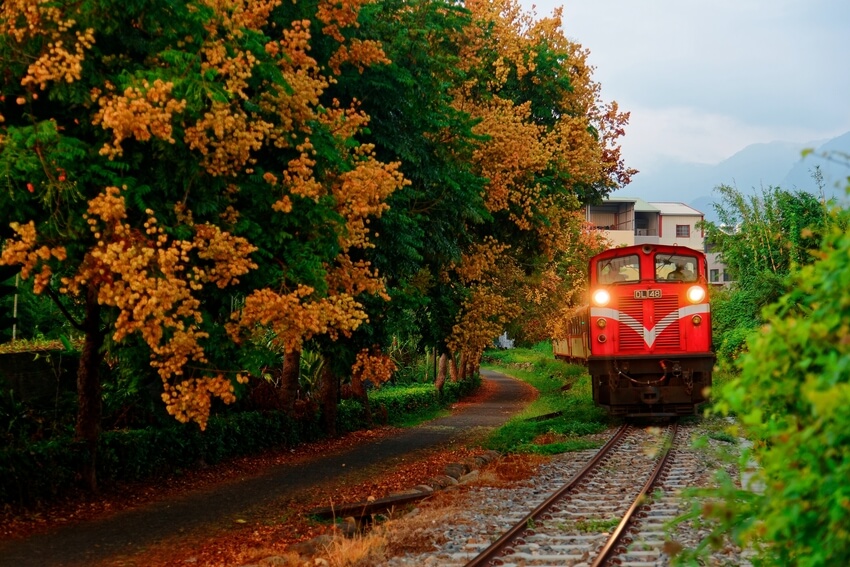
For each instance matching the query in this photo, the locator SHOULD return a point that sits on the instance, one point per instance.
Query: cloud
(705, 78)
(690, 134)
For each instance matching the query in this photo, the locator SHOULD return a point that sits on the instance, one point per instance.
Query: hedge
(47, 470)
(401, 401)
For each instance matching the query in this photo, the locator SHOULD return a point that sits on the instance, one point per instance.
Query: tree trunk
(462, 366)
(329, 398)
(359, 390)
(90, 407)
(453, 370)
(441, 374)
(289, 378)
(472, 364)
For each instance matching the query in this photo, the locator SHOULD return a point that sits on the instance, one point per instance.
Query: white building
(629, 220)
(677, 224)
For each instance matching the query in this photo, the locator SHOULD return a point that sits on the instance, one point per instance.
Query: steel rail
(609, 547)
(499, 545)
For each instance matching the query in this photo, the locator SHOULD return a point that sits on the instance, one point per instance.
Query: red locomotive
(646, 334)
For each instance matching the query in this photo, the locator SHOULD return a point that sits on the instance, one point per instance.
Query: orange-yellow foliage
(60, 59)
(479, 263)
(360, 53)
(150, 280)
(362, 193)
(482, 318)
(339, 14)
(234, 15)
(21, 250)
(294, 318)
(139, 113)
(510, 158)
(576, 146)
(374, 367)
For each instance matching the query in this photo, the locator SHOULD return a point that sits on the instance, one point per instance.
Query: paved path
(125, 533)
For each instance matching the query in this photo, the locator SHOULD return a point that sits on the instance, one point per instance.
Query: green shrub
(791, 397)
(351, 416)
(45, 470)
(454, 391)
(734, 343)
(42, 471)
(403, 401)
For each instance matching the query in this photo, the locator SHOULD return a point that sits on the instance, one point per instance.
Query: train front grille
(669, 337)
(632, 338)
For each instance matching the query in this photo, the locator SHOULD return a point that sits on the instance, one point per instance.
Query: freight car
(645, 333)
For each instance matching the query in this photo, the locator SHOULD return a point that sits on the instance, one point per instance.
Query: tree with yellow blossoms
(177, 180)
(500, 130)
(550, 146)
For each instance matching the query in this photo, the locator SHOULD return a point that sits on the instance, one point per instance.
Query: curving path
(125, 533)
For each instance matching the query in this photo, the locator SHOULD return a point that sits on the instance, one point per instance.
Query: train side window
(621, 269)
(675, 267)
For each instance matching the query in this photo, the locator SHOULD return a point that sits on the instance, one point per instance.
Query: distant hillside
(755, 167)
(835, 171)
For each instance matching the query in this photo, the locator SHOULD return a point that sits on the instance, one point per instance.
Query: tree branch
(65, 312)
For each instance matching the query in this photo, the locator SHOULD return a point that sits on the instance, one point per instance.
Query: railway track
(603, 514)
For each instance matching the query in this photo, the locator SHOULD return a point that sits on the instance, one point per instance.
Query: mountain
(835, 171)
(755, 167)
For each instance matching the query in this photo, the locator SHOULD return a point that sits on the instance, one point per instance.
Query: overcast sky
(706, 78)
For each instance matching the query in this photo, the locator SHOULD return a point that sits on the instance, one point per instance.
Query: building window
(683, 231)
(714, 275)
(727, 277)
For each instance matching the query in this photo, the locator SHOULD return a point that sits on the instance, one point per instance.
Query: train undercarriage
(649, 386)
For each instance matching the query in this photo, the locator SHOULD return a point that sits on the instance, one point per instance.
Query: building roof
(679, 209)
(641, 206)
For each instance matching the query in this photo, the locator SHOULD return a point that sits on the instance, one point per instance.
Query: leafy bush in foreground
(792, 397)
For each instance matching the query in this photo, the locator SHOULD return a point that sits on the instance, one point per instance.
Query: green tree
(760, 239)
(413, 121)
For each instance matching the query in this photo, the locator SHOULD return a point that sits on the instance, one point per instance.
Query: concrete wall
(668, 231)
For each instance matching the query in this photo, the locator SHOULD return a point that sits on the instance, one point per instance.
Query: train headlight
(696, 294)
(696, 320)
(601, 323)
(601, 297)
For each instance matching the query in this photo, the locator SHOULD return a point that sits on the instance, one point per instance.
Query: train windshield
(620, 269)
(675, 267)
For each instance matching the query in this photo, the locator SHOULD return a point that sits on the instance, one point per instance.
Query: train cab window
(675, 267)
(622, 269)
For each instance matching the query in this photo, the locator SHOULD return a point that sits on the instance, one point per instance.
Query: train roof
(647, 249)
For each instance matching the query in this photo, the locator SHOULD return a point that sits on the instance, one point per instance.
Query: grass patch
(565, 391)
(419, 417)
(723, 436)
(558, 447)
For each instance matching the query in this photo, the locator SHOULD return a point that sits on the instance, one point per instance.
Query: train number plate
(647, 294)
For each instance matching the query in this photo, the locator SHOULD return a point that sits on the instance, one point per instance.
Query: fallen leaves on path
(270, 530)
